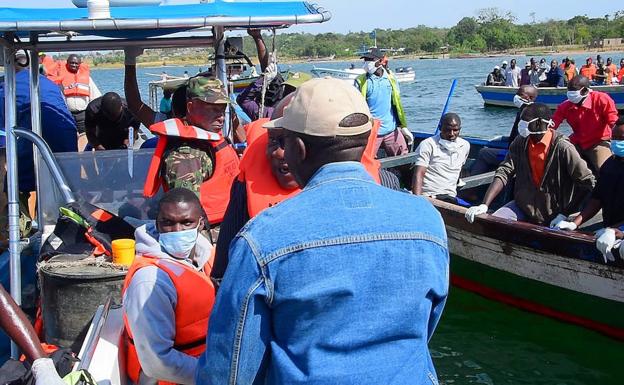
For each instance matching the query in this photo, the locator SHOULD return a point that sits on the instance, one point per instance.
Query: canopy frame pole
(35, 116)
(219, 46)
(10, 120)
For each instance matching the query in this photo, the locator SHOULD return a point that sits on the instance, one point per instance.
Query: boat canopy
(149, 21)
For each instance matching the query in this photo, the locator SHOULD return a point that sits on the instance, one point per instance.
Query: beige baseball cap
(320, 105)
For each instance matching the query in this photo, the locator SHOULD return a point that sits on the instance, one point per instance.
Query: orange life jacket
(214, 193)
(75, 84)
(51, 68)
(195, 298)
(620, 74)
(570, 72)
(588, 71)
(263, 190)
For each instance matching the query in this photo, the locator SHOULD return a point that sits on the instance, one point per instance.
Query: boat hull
(350, 75)
(551, 96)
(551, 273)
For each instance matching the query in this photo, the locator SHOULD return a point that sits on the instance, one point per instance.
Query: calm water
(478, 341)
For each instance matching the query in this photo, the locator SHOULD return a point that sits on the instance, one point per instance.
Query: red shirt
(591, 122)
(537, 153)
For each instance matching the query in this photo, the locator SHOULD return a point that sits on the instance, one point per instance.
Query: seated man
(495, 78)
(551, 177)
(488, 159)
(439, 161)
(555, 77)
(168, 294)
(607, 196)
(192, 153)
(107, 122)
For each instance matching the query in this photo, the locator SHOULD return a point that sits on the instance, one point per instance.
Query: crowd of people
(290, 291)
(540, 74)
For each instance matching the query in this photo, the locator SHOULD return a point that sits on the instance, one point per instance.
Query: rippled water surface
(478, 341)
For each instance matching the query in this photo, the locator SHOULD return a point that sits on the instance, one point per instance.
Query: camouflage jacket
(187, 163)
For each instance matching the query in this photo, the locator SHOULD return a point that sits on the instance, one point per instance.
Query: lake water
(477, 341)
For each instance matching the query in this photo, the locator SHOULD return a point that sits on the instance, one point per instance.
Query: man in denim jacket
(341, 284)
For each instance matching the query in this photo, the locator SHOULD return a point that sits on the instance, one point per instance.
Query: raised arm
(131, 88)
(263, 54)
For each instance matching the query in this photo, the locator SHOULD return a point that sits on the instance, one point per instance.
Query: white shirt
(512, 76)
(79, 103)
(443, 166)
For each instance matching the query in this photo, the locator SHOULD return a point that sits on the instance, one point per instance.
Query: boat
(558, 274)
(402, 74)
(551, 96)
(34, 30)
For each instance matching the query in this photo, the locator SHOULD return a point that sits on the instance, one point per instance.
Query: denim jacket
(341, 284)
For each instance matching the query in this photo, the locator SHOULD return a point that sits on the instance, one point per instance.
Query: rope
(265, 84)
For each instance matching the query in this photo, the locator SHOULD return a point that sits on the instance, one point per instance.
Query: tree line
(490, 30)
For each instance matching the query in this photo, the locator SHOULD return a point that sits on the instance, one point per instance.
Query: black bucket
(70, 295)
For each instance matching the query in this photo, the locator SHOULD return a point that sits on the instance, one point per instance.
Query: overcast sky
(365, 15)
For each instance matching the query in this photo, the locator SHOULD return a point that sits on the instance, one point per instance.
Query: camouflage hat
(207, 89)
(295, 79)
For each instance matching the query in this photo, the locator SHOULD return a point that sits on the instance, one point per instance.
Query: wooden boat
(558, 274)
(552, 96)
(402, 74)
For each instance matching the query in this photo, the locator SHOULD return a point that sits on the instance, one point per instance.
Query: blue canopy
(160, 20)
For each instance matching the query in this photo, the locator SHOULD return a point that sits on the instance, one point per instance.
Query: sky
(365, 15)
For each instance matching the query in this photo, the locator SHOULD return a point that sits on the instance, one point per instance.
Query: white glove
(565, 225)
(270, 73)
(473, 211)
(558, 218)
(130, 55)
(409, 137)
(45, 373)
(604, 243)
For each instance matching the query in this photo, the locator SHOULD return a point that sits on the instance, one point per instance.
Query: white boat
(402, 74)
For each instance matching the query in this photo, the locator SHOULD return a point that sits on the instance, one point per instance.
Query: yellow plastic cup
(123, 251)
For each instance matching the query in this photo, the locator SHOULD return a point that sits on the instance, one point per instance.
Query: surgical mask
(179, 244)
(617, 146)
(449, 145)
(523, 127)
(370, 67)
(576, 96)
(519, 101)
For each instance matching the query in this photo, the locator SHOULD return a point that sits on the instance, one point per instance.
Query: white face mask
(449, 145)
(523, 127)
(519, 102)
(370, 67)
(179, 244)
(576, 96)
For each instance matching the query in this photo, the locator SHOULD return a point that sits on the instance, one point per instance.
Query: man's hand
(473, 211)
(565, 225)
(559, 218)
(45, 373)
(256, 33)
(409, 137)
(131, 53)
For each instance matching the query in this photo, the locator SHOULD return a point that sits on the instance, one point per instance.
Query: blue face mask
(179, 244)
(617, 146)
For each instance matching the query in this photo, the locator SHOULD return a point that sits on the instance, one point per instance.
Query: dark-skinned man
(79, 89)
(439, 161)
(108, 121)
(168, 294)
(607, 196)
(310, 296)
(191, 153)
(591, 114)
(383, 96)
(489, 158)
(550, 176)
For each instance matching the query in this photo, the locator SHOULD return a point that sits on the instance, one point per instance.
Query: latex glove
(271, 72)
(473, 211)
(559, 218)
(130, 55)
(409, 137)
(604, 243)
(45, 373)
(565, 225)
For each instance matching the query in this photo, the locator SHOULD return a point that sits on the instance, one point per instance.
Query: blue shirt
(554, 77)
(302, 300)
(379, 99)
(58, 127)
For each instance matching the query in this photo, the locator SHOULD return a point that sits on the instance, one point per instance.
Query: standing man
(591, 114)
(512, 76)
(495, 78)
(525, 74)
(168, 294)
(504, 70)
(612, 69)
(79, 89)
(303, 305)
(107, 123)
(439, 161)
(383, 96)
(589, 69)
(620, 73)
